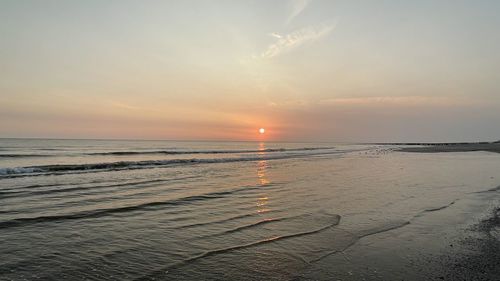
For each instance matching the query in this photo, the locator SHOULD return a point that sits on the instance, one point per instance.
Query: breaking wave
(232, 151)
(14, 155)
(121, 165)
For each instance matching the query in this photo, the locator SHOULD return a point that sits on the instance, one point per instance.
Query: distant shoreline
(438, 143)
(450, 147)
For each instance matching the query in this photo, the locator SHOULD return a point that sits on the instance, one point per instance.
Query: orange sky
(304, 70)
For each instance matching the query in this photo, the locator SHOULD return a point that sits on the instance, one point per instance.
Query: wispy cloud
(125, 106)
(401, 101)
(296, 8)
(294, 39)
(375, 103)
(275, 35)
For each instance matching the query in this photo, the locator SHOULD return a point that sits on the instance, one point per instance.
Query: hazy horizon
(306, 71)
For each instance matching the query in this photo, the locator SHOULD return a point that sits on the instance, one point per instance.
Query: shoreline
(479, 251)
(460, 241)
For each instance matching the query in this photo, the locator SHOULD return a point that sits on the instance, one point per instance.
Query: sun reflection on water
(262, 165)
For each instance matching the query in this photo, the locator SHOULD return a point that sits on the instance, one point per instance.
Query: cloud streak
(295, 39)
(275, 35)
(402, 101)
(296, 8)
(380, 101)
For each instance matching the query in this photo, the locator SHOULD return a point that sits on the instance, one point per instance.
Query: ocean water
(165, 210)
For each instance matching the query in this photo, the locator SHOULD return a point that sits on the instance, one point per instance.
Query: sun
(262, 130)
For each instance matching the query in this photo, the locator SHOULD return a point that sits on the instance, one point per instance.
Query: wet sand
(459, 241)
(477, 253)
(480, 259)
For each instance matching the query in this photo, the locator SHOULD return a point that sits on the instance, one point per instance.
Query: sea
(185, 210)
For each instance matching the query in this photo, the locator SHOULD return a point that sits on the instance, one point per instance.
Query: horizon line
(257, 141)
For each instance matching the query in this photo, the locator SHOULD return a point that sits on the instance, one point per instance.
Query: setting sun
(249, 140)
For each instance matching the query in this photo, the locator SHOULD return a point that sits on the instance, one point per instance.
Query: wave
(108, 211)
(232, 151)
(23, 155)
(440, 208)
(261, 222)
(145, 183)
(382, 229)
(357, 237)
(238, 217)
(243, 227)
(29, 186)
(121, 165)
(87, 214)
(494, 189)
(164, 152)
(335, 221)
(19, 170)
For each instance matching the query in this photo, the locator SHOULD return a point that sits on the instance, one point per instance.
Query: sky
(305, 70)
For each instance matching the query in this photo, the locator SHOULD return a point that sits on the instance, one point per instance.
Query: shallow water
(140, 210)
